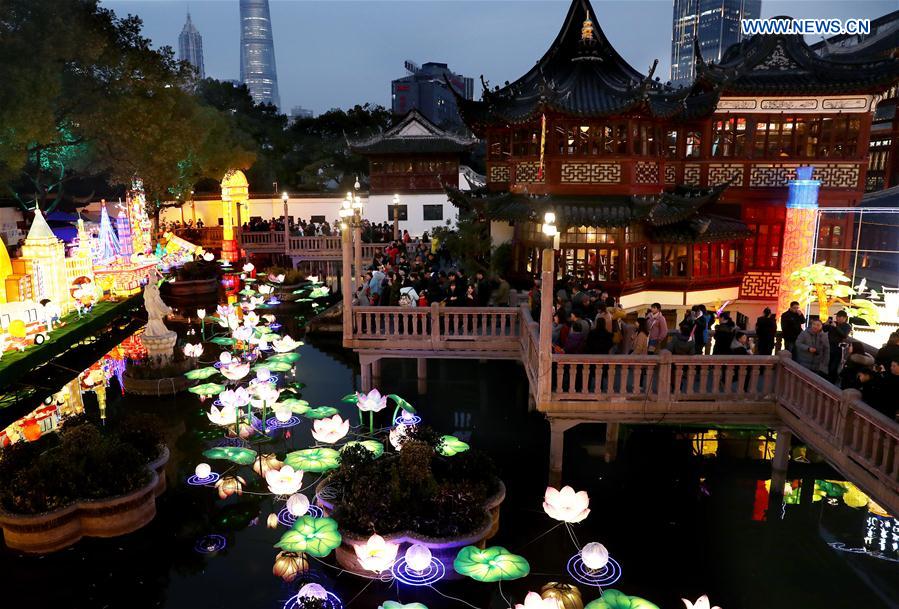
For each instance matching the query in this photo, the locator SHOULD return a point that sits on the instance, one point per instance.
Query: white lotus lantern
(285, 344)
(376, 554)
(298, 504)
(248, 267)
(201, 313)
(418, 557)
(208, 257)
(701, 603)
(242, 333)
(235, 398)
(566, 505)
(595, 556)
(535, 601)
(331, 429)
(225, 415)
(266, 289)
(372, 401)
(263, 375)
(225, 358)
(283, 414)
(235, 371)
(285, 481)
(193, 350)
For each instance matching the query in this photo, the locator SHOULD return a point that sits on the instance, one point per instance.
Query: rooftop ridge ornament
(587, 30)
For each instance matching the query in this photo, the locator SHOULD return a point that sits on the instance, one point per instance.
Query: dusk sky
(338, 53)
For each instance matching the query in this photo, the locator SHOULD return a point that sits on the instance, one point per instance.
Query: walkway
(774, 392)
(272, 242)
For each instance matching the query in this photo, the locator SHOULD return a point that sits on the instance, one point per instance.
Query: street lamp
(396, 217)
(550, 229)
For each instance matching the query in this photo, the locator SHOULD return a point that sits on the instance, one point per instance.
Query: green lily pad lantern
(372, 446)
(313, 536)
(316, 460)
(201, 373)
(274, 366)
(287, 358)
(614, 599)
(224, 341)
(296, 405)
(451, 446)
(321, 412)
(397, 605)
(207, 389)
(490, 564)
(235, 454)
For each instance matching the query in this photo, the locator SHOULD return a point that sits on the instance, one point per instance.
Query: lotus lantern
(285, 481)
(230, 485)
(289, 564)
(298, 504)
(535, 601)
(566, 505)
(595, 556)
(701, 603)
(372, 401)
(376, 554)
(330, 430)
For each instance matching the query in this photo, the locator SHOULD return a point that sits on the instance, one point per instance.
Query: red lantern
(31, 430)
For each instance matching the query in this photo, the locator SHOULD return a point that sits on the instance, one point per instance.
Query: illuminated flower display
(243, 333)
(284, 481)
(191, 350)
(376, 554)
(535, 601)
(207, 389)
(490, 564)
(235, 370)
(451, 445)
(330, 430)
(566, 505)
(230, 485)
(285, 344)
(595, 556)
(263, 464)
(235, 454)
(373, 401)
(226, 415)
(314, 536)
(613, 599)
(701, 603)
(235, 398)
(201, 373)
(289, 564)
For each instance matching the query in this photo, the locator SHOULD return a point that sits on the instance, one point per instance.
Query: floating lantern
(376, 554)
(566, 596)
(595, 556)
(289, 564)
(418, 557)
(203, 471)
(330, 430)
(230, 485)
(297, 505)
(284, 481)
(566, 505)
(372, 401)
(535, 601)
(266, 463)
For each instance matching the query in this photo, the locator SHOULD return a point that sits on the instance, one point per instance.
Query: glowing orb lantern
(313, 591)
(595, 556)
(535, 601)
(418, 557)
(202, 471)
(297, 505)
(566, 505)
(289, 564)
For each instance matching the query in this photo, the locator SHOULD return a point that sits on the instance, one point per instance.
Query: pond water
(679, 525)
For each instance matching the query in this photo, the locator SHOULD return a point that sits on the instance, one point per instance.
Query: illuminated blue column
(799, 232)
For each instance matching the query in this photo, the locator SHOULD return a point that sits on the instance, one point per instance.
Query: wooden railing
(861, 442)
(308, 248)
(486, 329)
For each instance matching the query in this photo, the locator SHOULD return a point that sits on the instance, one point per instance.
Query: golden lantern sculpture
(266, 463)
(235, 193)
(230, 485)
(565, 595)
(290, 564)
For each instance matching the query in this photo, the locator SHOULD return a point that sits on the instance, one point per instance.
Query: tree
(830, 287)
(85, 95)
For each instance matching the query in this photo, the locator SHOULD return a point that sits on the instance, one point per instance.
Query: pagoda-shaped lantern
(235, 192)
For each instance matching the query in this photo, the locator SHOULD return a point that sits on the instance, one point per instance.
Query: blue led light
(210, 544)
(287, 519)
(274, 423)
(434, 573)
(212, 478)
(606, 576)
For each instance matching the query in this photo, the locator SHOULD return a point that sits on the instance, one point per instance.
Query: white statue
(156, 311)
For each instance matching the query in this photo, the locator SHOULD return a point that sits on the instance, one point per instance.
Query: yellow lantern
(266, 463)
(565, 595)
(17, 328)
(290, 564)
(272, 521)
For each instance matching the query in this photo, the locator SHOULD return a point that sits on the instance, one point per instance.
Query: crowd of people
(417, 273)
(372, 232)
(589, 320)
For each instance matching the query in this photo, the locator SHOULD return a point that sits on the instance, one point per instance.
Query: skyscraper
(716, 23)
(425, 90)
(257, 52)
(190, 47)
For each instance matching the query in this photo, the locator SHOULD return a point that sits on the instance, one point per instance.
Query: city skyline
(351, 51)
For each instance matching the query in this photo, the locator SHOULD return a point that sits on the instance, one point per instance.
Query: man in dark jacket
(482, 289)
(838, 332)
(791, 322)
(700, 329)
(889, 351)
(765, 331)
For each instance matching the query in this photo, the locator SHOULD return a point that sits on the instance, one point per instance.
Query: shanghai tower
(257, 52)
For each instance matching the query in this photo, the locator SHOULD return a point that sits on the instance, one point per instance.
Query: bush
(80, 462)
(198, 270)
(291, 276)
(416, 489)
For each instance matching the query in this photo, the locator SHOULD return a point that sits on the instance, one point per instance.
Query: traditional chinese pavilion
(671, 194)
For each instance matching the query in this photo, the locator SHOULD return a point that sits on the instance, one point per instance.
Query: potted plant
(432, 492)
(198, 280)
(83, 481)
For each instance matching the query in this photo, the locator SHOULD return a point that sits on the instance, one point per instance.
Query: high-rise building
(257, 52)
(190, 47)
(715, 23)
(425, 90)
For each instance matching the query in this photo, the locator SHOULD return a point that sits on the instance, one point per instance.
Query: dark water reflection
(679, 526)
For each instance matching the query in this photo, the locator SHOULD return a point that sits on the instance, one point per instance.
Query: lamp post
(345, 213)
(547, 289)
(284, 199)
(396, 217)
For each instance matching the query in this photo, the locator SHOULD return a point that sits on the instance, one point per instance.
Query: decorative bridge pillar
(799, 232)
(235, 192)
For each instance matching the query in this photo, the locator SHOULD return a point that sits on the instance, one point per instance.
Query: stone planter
(443, 549)
(51, 531)
(169, 385)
